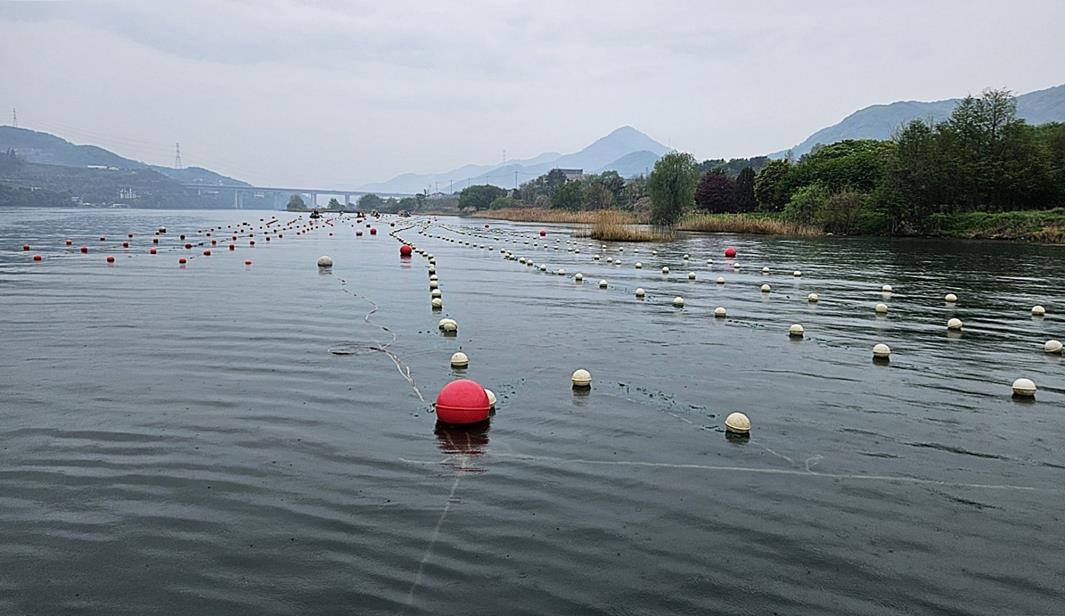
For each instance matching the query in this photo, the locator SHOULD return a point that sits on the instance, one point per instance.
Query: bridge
(276, 197)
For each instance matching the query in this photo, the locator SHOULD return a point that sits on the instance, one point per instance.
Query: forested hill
(882, 121)
(47, 149)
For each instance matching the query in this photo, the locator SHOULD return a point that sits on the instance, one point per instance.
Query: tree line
(983, 158)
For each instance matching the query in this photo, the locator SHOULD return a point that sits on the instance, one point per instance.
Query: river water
(223, 438)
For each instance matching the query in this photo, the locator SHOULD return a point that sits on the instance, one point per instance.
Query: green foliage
(598, 196)
(671, 187)
(773, 186)
(716, 192)
(852, 163)
(504, 202)
(296, 204)
(479, 197)
(334, 204)
(569, 196)
(745, 200)
(849, 212)
(805, 202)
(371, 202)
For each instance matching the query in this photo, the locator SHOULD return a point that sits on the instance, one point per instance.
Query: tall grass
(530, 214)
(745, 223)
(615, 226)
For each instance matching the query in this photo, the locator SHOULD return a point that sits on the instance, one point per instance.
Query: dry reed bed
(615, 226)
(745, 223)
(522, 214)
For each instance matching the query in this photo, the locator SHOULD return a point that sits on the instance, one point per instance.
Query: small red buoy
(110, 259)
(405, 250)
(247, 261)
(129, 235)
(84, 249)
(152, 251)
(251, 242)
(391, 224)
(730, 252)
(214, 242)
(232, 247)
(543, 232)
(155, 240)
(37, 257)
(207, 253)
(70, 242)
(357, 234)
(182, 236)
(188, 246)
(373, 230)
(125, 244)
(25, 247)
(486, 226)
(462, 402)
(182, 261)
(103, 238)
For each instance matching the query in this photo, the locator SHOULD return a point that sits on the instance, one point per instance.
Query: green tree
(479, 197)
(370, 202)
(745, 200)
(598, 197)
(805, 203)
(773, 185)
(716, 192)
(671, 187)
(296, 204)
(334, 204)
(569, 196)
(504, 202)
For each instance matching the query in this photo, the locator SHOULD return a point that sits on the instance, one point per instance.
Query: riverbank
(1025, 225)
(532, 214)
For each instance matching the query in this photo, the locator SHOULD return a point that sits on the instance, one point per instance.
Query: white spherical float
(1024, 388)
(886, 289)
(881, 351)
(578, 277)
(954, 324)
(602, 284)
(691, 275)
(640, 292)
(665, 270)
(950, 298)
(812, 298)
(720, 280)
(796, 331)
(881, 309)
(639, 265)
(581, 378)
(1052, 346)
(738, 423)
(797, 274)
(1038, 311)
(460, 360)
(720, 312)
(766, 288)
(325, 261)
(448, 325)
(678, 302)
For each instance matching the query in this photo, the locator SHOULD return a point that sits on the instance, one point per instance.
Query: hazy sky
(341, 93)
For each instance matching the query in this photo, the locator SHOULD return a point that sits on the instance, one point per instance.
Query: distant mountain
(625, 150)
(47, 149)
(881, 121)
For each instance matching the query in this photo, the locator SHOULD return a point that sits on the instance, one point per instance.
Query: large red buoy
(404, 250)
(373, 230)
(462, 402)
(543, 232)
(182, 261)
(730, 252)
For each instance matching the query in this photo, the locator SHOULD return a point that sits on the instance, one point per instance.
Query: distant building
(573, 174)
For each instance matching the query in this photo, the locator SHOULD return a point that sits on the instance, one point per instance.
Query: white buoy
(720, 280)
(639, 265)
(720, 312)
(797, 274)
(491, 398)
(324, 261)
(543, 268)
(678, 302)
(886, 288)
(595, 257)
(881, 351)
(433, 277)
(561, 272)
(709, 261)
(448, 325)
(954, 324)
(766, 288)
(432, 270)
(1038, 311)
(691, 275)
(665, 270)
(581, 378)
(950, 298)
(437, 303)
(433, 284)
(578, 277)
(435, 293)
(738, 423)
(685, 257)
(460, 360)
(610, 259)
(654, 253)
(812, 298)
(881, 308)
(765, 270)
(602, 284)
(1052, 346)
(796, 331)
(1024, 388)
(640, 292)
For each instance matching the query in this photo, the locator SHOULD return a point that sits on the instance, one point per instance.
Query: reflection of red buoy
(404, 250)
(110, 259)
(543, 232)
(37, 257)
(373, 230)
(730, 252)
(462, 402)
(84, 249)
(182, 261)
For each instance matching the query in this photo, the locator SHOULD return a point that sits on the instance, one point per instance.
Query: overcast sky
(342, 93)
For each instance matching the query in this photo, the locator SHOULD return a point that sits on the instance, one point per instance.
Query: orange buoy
(462, 402)
(110, 259)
